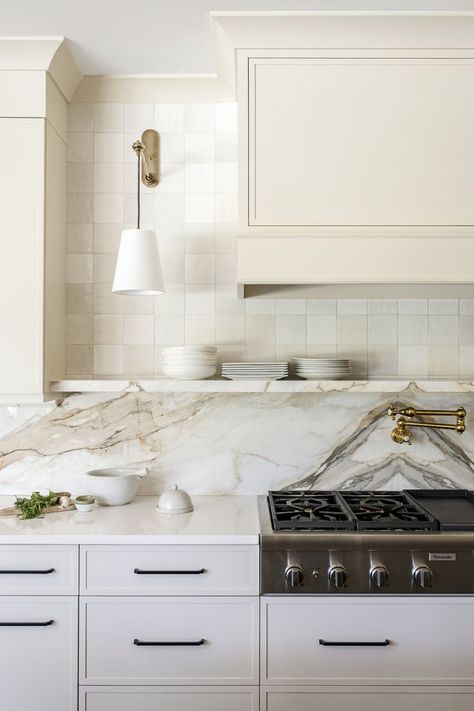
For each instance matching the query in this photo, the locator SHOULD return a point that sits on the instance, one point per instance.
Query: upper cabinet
(32, 219)
(360, 142)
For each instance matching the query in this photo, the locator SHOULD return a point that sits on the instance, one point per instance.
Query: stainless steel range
(368, 542)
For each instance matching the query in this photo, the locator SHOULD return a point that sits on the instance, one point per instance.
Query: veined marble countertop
(215, 520)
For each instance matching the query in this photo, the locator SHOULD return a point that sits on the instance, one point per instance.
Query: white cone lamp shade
(138, 268)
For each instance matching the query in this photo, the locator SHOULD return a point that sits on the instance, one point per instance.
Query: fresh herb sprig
(33, 506)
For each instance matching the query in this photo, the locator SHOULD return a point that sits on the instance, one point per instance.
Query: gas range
(368, 542)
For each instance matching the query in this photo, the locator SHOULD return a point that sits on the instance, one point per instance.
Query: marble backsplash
(214, 443)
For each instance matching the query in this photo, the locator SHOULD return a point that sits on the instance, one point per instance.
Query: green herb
(33, 507)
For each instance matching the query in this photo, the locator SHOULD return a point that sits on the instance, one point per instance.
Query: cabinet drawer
(170, 698)
(38, 570)
(167, 641)
(430, 641)
(169, 570)
(374, 699)
(38, 652)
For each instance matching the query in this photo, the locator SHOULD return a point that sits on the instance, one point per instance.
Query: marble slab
(232, 442)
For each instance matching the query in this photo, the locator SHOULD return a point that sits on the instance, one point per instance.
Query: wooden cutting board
(13, 511)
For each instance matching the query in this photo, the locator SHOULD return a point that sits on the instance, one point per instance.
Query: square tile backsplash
(194, 210)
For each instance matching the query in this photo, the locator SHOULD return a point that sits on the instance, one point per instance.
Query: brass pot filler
(402, 435)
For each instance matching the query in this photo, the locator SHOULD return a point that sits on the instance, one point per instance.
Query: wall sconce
(402, 435)
(138, 268)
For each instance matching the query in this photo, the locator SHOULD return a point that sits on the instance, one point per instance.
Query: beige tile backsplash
(194, 210)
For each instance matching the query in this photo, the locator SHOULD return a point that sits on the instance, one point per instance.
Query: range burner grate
(348, 511)
(309, 510)
(387, 510)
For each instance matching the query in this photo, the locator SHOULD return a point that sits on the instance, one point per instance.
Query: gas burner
(390, 510)
(305, 510)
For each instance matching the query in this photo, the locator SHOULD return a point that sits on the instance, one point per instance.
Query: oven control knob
(380, 576)
(423, 576)
(294, 576)
(338, 576)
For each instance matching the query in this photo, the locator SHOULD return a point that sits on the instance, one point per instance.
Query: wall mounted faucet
(402, 435)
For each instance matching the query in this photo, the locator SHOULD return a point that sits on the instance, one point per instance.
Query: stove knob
(380, 576)
(294, 576)
(338, 576)
(423, 576)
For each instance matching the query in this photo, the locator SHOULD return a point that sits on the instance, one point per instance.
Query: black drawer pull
(138, 571)
(139, 643)
(27, 624)
(27, 572)
(326, 643)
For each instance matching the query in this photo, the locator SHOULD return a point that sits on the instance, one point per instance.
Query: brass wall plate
(150, 166)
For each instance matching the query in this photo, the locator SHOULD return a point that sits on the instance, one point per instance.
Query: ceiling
(159, 36)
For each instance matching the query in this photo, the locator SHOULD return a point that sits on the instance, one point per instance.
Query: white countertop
(215, 520)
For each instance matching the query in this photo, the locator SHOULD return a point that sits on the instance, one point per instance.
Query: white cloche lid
(175, 500)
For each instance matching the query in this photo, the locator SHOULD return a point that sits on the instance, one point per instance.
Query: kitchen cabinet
(37, 78)
(430, 641)
(206, 640)
(38, 649)
(32, 257)
(173, 618)
(357, 699)
(170, 570)
(171, 698)
(39, 627)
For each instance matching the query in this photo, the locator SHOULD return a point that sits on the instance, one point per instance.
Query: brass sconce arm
(402, 435)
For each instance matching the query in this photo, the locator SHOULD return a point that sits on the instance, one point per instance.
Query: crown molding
(50, 55)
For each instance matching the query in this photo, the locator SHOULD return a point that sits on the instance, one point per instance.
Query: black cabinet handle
(138, 571)
(139, 643)
(27, 624)
(326, 643)
(27, 572)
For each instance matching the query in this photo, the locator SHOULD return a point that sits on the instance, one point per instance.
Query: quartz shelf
(166, 385)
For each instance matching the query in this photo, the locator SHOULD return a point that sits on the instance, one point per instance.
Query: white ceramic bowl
(113, 487)
(190, 350)
(190, 360)
(189, 372)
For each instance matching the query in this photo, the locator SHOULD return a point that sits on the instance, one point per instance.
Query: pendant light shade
(138, 269)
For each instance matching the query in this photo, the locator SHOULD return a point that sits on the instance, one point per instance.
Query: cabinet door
(38, 653)
(375, 699)
(146, 640)
(426, 641)
(169, 570)
(171, 698)
(360, 142)
(22, 180)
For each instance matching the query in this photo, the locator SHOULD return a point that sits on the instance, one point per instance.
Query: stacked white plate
(322, 368)
(190, 362)
(260, 370)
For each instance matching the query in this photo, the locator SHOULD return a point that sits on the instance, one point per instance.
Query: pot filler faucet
(402, 435)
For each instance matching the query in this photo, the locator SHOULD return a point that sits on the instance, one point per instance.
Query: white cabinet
(169, 626)
(373, 699)
(430, 641)
(38, 570)
(169, 570)
(32, 283)
(38, 653)
(171, 698)
(165, 641)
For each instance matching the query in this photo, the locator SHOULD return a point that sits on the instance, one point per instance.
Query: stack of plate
(190, 362)
(322, 368)
(263, 370)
